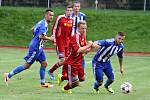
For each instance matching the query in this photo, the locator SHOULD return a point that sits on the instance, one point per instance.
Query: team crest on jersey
(82, 42)
(68, 24)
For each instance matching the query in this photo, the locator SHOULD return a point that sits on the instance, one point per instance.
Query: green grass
(16, 22)
(25, 86)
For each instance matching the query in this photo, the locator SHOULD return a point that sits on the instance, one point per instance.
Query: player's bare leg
(6, 78)
(42, 75)
(15, 71)
(55, 67)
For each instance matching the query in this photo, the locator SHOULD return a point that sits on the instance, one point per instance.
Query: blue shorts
(35, 55)
(102, 68)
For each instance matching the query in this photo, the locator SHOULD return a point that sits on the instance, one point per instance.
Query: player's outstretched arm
(89, 49)
(45, 37)
(95, 46)
(86, 48)
(121, 65)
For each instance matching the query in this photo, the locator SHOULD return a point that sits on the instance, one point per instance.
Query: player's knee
(44, 63)
(64, 74)
(61, 60)
(100, 82)
(61, 57)
(27, 66)
(82, 79)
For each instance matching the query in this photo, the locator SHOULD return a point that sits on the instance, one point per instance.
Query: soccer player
(36, 52)
(75, 72)
(101, 61)
(77, 16)
(61, 30)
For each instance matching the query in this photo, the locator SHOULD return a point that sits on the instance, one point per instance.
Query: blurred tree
(136, 4)
(70, 1)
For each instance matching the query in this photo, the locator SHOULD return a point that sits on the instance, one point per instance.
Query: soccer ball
(126, 87)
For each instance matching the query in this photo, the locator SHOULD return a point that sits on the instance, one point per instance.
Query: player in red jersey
(73, 63)
(61, 30)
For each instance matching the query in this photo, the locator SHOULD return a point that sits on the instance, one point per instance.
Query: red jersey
(76, 42)
(62, 29)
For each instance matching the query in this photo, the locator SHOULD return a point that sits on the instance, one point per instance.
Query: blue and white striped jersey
(80, 17)
(40, 28)
(107, 49)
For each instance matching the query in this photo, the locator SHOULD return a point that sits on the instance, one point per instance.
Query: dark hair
(69, 6)
(121, 33)
(77, 2)
(47, 10)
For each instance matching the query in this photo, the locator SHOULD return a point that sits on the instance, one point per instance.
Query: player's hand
(52, 38)
(95, 45)
(90, 43)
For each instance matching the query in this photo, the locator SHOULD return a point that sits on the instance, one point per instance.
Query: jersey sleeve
(120, 53)
(55, 25)
(42, 30)
(84, 18)
(102, 42)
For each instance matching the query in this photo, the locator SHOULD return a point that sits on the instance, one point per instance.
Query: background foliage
(16, 24)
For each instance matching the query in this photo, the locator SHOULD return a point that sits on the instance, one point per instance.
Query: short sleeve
(102, 42)
(43, 29)
(84, 18)
(120, 53)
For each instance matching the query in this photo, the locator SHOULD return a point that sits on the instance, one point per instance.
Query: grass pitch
(25, 86)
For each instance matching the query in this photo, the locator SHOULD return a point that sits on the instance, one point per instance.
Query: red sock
(57, 65)
(64, 72)
(67, 87)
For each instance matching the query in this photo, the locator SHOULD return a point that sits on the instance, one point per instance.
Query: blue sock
(42, 74)
(16, 70)
(108, 82)
(96, 85)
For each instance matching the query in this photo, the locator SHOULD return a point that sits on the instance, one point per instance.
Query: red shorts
(61, 49)
(75, 72)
